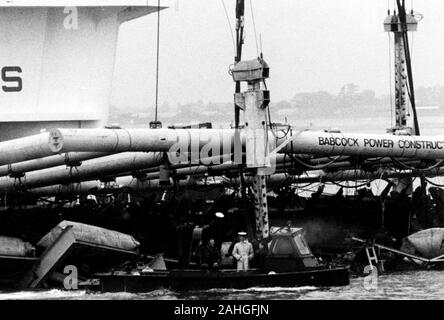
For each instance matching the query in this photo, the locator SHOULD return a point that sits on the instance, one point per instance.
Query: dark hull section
(12, 269)
(200, 280)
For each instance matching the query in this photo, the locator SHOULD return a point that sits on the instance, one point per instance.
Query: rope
(347, 186)
(375, 160)
(437, 164)
(254, 28)
(434, 183)
(229, 24)
(319, 167)
(44, 199)
(298, 191)
(298, 187)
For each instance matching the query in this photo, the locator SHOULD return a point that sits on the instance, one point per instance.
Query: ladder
(371, 256)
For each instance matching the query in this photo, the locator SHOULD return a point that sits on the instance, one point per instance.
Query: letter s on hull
(16, 83)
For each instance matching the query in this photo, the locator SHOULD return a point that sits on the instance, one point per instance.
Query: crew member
(260, 254)
(243, 252)
(210, 255)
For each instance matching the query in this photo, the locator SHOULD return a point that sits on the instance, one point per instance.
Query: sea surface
(412, 285)
(430, 123)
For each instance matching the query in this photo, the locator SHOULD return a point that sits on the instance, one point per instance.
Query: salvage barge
(86, 173)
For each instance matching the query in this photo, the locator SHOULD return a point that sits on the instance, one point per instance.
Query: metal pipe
(210, 141)
(303, 142)
(32, 147)
(58, 141)
(91, 169)
(48, 162)
(120, 165)
(275, 179)
(364, 145)
(124, 164)
(139, 185)
(165, 140)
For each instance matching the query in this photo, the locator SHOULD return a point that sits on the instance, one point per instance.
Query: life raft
(91, 234)
(428, 243)
(10, 246)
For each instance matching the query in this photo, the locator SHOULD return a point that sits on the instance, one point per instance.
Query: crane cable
(390, 78)
(403, 20)
(229, 24)
(254, 27)
(157, 59)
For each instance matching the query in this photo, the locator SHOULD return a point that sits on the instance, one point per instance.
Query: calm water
(429, 124)
(408, 285)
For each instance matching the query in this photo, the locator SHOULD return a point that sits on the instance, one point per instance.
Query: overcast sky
(310, 45)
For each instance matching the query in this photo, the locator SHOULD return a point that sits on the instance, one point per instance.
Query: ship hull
(201, 280)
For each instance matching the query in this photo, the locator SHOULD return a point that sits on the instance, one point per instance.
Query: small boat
(203, 280)
(289, 263)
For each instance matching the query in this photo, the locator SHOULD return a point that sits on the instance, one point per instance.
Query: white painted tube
(91, 169)
(209, 142)
(366, 145)
(48, 162)
(137, 185)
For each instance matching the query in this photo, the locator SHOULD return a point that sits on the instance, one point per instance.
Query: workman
(210, 256)
(243, 252)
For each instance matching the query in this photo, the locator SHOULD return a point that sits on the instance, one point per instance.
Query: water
(430, 124)
(407, 285)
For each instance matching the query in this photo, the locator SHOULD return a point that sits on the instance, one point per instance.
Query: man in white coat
(243, 252)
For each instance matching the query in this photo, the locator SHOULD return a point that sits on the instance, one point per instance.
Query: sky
(310, 45)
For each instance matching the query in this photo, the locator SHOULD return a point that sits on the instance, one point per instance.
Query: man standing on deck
(243, 252)
(210, 256)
